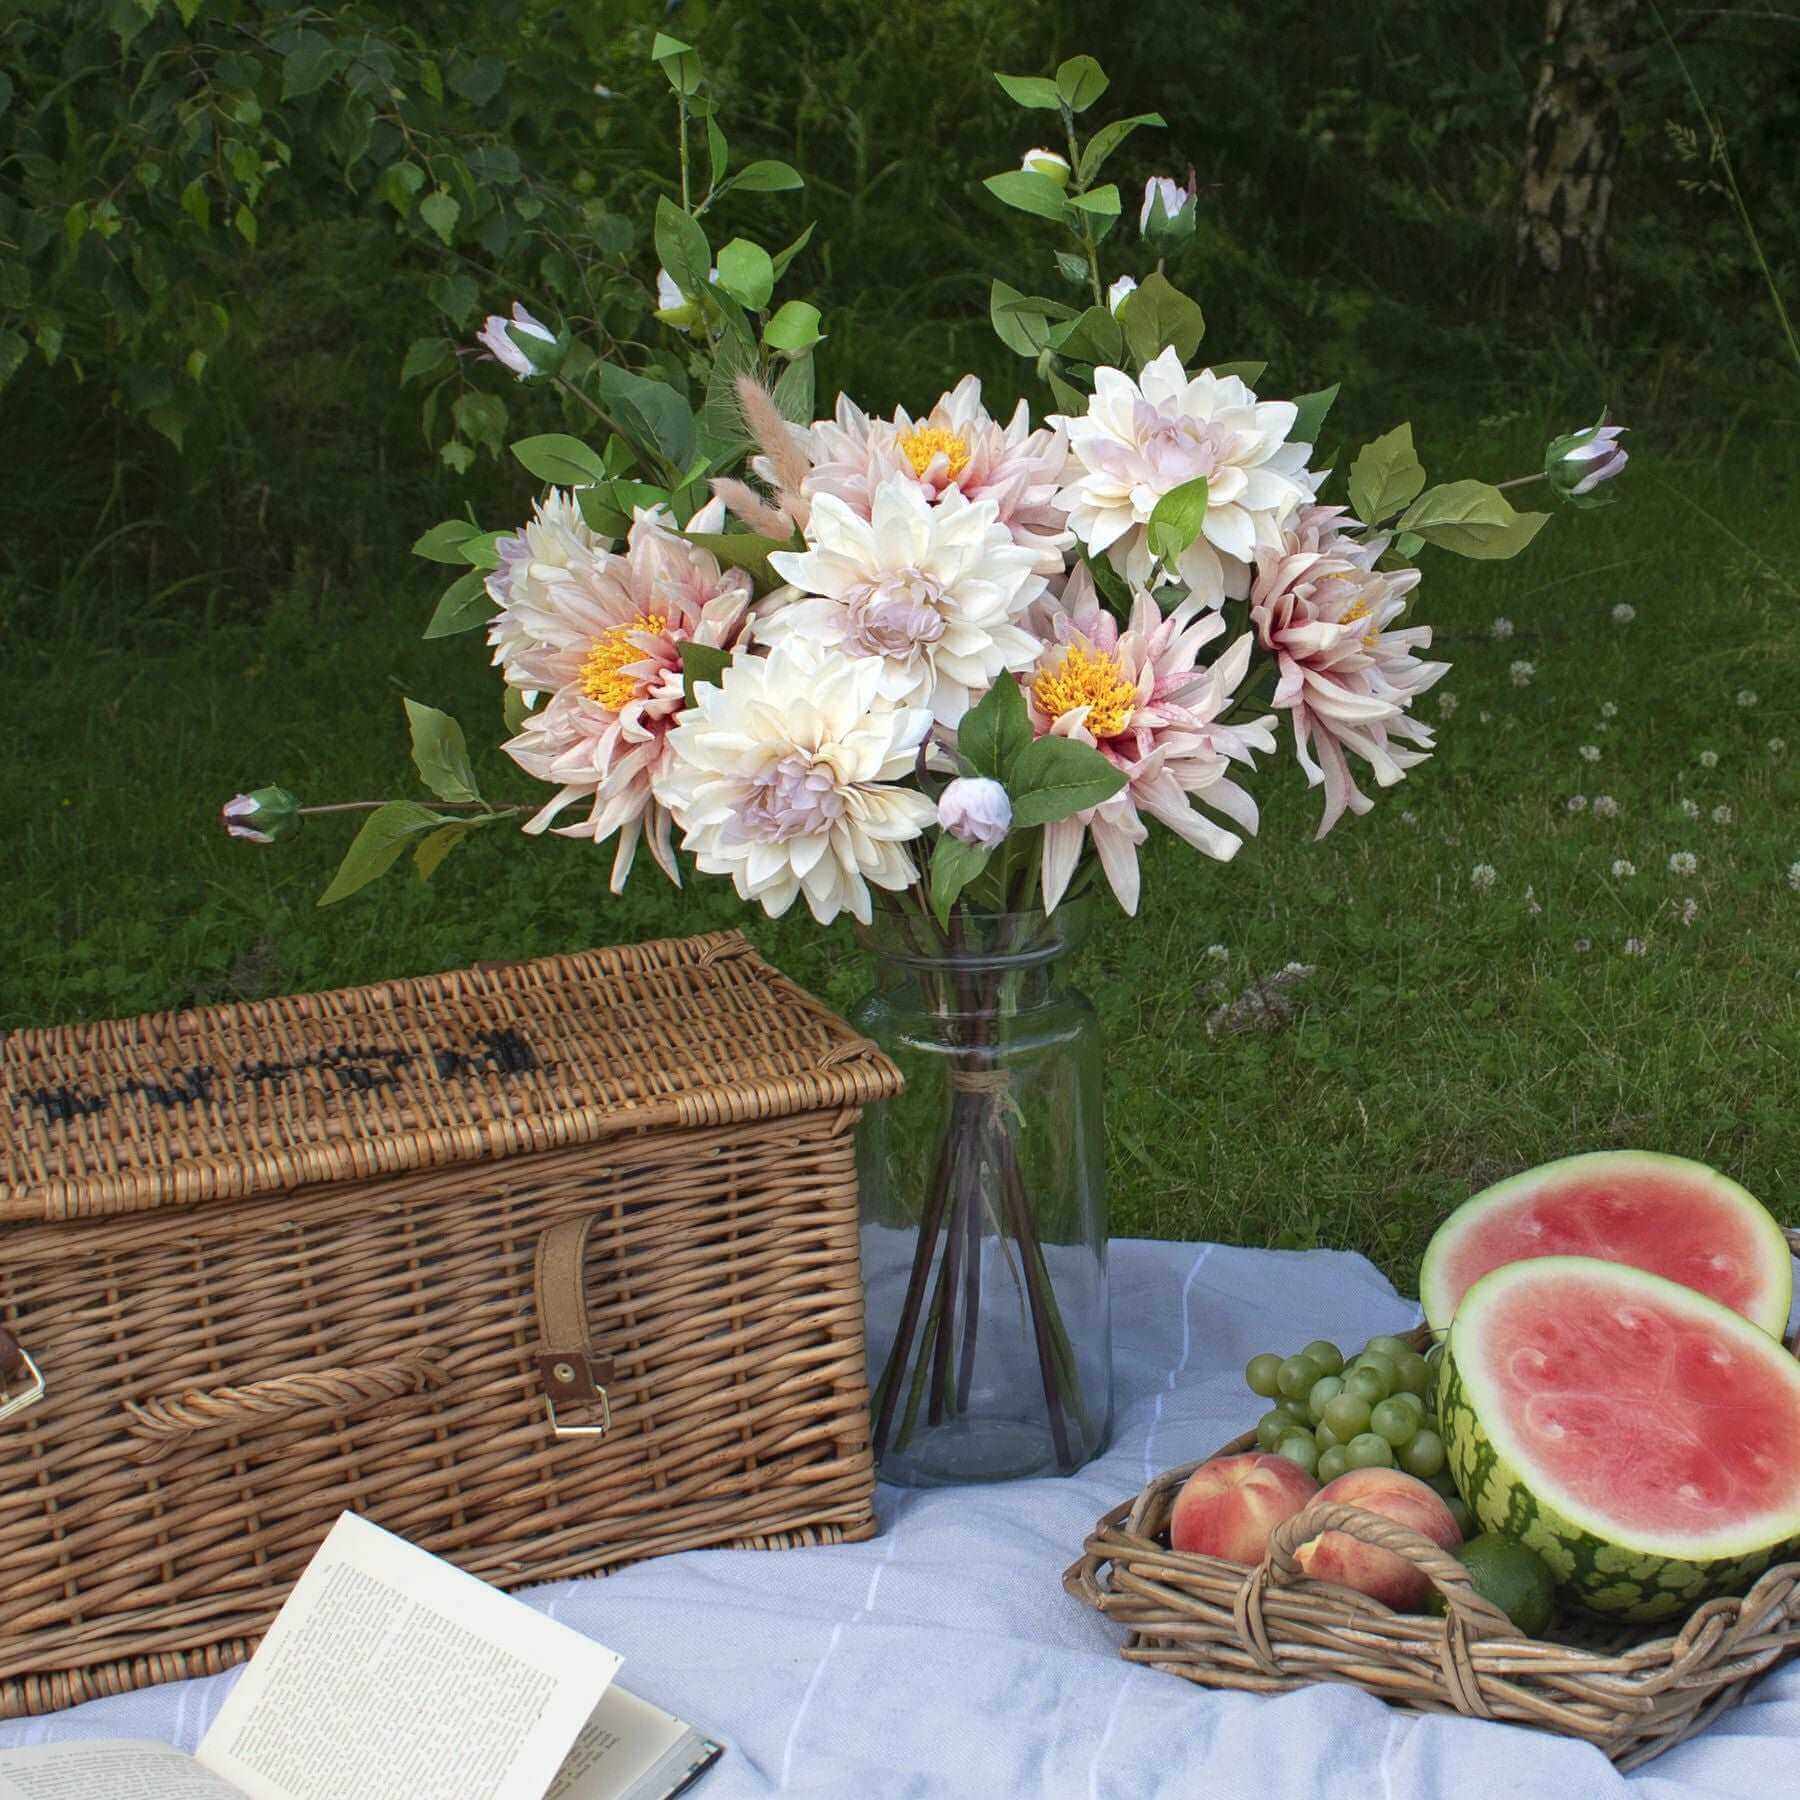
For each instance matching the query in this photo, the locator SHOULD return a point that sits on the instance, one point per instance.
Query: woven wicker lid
(227, 1101)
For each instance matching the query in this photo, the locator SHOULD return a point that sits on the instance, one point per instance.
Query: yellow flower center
(919, 447)
(603, 676)
(1360, 610)
(1090, 678)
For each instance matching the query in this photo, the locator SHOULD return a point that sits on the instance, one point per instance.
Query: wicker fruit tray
(1631, 1691)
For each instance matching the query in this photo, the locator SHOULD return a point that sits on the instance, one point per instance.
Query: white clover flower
(1747, 697)
(1483, 876)
(976, 810)
(1794, 876)
(1590, 753)
(1777, 746)
(1635, 946)
(1709, 759)
(1485, 717)
(1609, 709)
(1623, 870)
(1217, 953)
(1623, 614)
(1683, 862)
(1446, 704)
(1690, 809)
(1409, 818)
(1721, 815)
(1576, 803)
(1531, 901)
(1690, 910)
(1502, 629)
(1582, 946)
(1605, 807)
(1522, 672)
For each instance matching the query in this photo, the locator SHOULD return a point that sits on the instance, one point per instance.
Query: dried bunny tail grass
(750, 506)
(788, 467)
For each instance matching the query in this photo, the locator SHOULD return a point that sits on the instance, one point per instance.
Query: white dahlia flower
(785, 776)
(934, 593)
(1140, 439)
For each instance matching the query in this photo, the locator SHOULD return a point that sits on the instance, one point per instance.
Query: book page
(624, 1740)
(122, 1770)
(389, 1672)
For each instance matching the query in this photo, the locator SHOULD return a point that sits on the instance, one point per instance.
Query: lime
(1515, 1579)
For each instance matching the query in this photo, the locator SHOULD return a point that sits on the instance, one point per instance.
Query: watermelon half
(1673, 1217)
(1643, 1439)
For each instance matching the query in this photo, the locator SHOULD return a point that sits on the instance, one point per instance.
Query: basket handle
(162, 1425)
(567, 1364)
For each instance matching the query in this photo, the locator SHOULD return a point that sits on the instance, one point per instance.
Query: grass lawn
(1451, 1032)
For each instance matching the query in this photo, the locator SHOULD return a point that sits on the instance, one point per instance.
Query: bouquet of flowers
(947, 664)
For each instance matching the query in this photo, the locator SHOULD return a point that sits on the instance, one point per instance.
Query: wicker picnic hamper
(1632, 1691)
(547, 1266)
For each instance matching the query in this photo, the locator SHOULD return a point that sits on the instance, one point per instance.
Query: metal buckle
(557, 1428)
(31, 1394)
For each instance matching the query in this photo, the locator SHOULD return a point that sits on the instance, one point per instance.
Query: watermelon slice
(1673, 1217)
(1642, 1439)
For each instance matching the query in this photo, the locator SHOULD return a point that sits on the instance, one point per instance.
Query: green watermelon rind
(1597, 1571)
(1772, 1312)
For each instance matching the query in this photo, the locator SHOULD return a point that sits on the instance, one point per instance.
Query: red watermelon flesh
(1638, 1411)
(1663, 1214)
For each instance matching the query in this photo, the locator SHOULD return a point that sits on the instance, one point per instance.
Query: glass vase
(983, 1202)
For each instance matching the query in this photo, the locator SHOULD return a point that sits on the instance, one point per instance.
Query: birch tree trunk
(1571, 149)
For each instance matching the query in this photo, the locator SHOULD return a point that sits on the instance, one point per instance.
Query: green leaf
(652, 413)
(443, 543)
(1385, 476)
(767, 177)
(559, 459)
(995, 730)
(1031, 90)
(718, 152)
(433, 849)
(747, 273)
(440, 210)
(783, 257)
(1071, 399)
(372, 851)
(307, 66)
(1030, 192)
(478, 79)
(1472, 519)
(13, 351)
(1103, 201)
(1249, 373)
(464, 605)
(1095, 337)
(1055, 777)
(746, 550)
(1027, 333)
(1080, 82)
(954, 865)
(1175, 521)
(794, 328)
(1107, 139)
(455, 296)
(677, 61)
(608, 505)
(793, 390)
(480, 417)
(440, 753)
(1312, 409)
(1157, 316)
(426, 356)
(701, 662)
(682, 248)
(513, 709)
(1047, 309)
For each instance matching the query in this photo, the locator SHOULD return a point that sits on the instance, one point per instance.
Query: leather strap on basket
(570, 1371)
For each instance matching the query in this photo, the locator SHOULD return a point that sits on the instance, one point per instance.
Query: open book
(390, 1675)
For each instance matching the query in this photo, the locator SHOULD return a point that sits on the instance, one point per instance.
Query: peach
(1383, 1575)
(1228, 1506)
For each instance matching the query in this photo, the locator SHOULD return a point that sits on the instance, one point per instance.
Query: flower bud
(1048, 164)
(1120, 291)
(261, 817)
(1168, 210)
(976, 810)
(673, 307)
(497, 338)
(1579, 463)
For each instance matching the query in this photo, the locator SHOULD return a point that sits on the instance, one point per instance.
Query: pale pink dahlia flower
(602, 635)
(957, 447)
(1324, 610)
(1138, 696)
(1139, 440)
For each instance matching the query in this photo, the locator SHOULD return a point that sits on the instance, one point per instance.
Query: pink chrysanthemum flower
(1323, 608)
(1138, 696)
(956, 447)
(602, 634)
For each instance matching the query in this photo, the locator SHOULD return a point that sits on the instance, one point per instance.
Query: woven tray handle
(164, 1425)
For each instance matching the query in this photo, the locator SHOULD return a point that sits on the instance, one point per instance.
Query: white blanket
(943, 1657)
